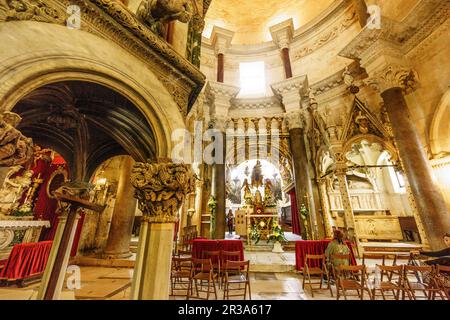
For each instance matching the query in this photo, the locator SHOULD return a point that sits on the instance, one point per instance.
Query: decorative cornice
(283, 33)
(219, 89)
(221, 39)
(111, 20)
(256, 103)
(291, 91)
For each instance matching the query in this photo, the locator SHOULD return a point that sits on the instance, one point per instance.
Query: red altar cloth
(200, 245)
(26, 260)
(317, 247)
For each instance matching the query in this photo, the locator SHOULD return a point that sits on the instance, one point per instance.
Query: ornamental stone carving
(161, 188)
(393, 76)
(295, 120)
(157, 12)
(15, 148)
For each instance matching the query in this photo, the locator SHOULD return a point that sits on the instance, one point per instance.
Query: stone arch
(387, 145)
(27, 63)
(440, 128)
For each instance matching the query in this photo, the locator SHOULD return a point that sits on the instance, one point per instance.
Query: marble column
(429, 200)
(302, 177)
(118, 243)
(220, 95)
(220, 67)
(282, 35)
(328, 225)
(151, 278)
(218, 191)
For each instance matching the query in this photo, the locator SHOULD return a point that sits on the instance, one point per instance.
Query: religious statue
(285, 171)
(247, 192)
(258, 198)
(363, 123)
(257, 176)
(15, 148)
(13, 189)
(155, 13)
(269, 200)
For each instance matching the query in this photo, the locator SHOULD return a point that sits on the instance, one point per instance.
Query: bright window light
(252, 76)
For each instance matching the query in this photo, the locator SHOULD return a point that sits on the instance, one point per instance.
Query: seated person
(336, 246)
(442, 256)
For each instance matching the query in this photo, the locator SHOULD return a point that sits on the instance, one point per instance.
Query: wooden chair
(202, 269)
(236, 273)
(320, 271)
(418, 279)
(332, 269)
(180, 275)
(216, 263)
(185, 253)
(352, 278)
(380, 257)
(224, 257)
(390, 281)
(442, 280)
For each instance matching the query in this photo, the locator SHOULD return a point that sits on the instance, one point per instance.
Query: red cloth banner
(315, 247)
(294, 213)
(200, 245)
(26, 260)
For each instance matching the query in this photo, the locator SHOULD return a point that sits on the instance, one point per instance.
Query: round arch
(28, 63)
(440, 128)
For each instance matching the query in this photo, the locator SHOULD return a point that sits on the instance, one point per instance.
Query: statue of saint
(362, 122)
(247, 192)
(258, 198)
(268, 194)
(13, 189)
(257, 176)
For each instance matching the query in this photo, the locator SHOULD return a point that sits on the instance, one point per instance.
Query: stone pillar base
(124, 255)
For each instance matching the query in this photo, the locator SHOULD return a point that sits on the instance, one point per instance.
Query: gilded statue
(258, 198)
(13, 189)
(269, 199)
(257, 176)
(15, 148)
(248, 197)
(155, 13)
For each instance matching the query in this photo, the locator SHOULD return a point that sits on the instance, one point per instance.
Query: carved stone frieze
(161, 188)
(392, 76)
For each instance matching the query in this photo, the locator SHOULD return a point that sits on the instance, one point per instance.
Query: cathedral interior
(148, 147)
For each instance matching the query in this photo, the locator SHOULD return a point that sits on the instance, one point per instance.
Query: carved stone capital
(291, 92)
(221, 39)
(161, 188)
(219, 96)
(393, 76)
(283, 33)
(295, 120)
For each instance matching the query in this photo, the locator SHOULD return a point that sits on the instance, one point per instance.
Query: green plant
(24, 210)
(277, 234)
(255, 233)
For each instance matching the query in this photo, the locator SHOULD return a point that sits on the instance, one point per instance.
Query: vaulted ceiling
(251, 19)
(86, 123)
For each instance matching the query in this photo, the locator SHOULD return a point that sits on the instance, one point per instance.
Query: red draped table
(316, 247)
(200, 245)
(26, 260)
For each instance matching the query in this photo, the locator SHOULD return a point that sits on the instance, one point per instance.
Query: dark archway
(86, 123)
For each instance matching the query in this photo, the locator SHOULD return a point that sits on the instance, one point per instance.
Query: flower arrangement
(277, 234)
(212, 205)
(255, 233)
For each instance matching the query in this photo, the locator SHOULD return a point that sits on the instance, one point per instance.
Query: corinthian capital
(291, 92)
(295, 120)
(394, 76)
(161, 188)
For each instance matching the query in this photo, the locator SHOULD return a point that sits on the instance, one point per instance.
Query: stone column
(428, 198)
(292, 91)
(326, 208)
(282, 35)
(220, 96)
(118, 244)
(391, 76)
(160, 189)
(221, 41)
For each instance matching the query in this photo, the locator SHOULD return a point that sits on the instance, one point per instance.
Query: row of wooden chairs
(223, 268)
(399, 280)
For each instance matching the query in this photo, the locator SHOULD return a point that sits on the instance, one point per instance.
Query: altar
(16, 231)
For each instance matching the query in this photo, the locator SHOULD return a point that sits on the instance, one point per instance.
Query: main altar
(259, 212)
